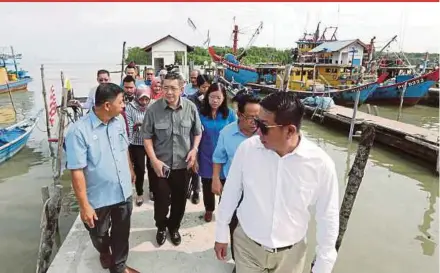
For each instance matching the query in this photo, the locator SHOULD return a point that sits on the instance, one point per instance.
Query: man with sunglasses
(281, 173)
(102, 76)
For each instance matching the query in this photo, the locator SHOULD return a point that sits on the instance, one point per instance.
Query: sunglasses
(264, 129)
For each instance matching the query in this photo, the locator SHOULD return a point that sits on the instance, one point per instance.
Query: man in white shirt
(281, 174)
(103, 76)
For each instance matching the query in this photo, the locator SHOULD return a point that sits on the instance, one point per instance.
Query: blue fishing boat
(233, 69)
(12, 79)
(416, 89)
(15, 137)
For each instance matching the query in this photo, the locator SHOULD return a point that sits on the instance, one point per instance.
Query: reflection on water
(424, 180)
(394, 217)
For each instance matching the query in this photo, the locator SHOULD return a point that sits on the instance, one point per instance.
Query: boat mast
(15, 62)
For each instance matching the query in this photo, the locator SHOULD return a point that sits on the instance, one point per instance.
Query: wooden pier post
(45, 102)
(61, 128)
(353, 119)
(123, 60)
(402, 95)
(49, 226)
(368, 108)
(354, 181)
(376, 110)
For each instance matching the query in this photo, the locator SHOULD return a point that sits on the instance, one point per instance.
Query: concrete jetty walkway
(194, 254)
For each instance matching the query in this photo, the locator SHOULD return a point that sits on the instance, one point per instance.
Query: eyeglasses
(170, 88)
(246, 117)
(265, 128)
(215, 98)
(150, 74)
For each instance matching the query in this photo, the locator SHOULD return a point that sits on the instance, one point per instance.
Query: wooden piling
(354, 181)
(353, 119)
(46, 107)
(49, 224)
(61, 128)
(376, 110)
(368, 108)
(402, 95)
(123, 60)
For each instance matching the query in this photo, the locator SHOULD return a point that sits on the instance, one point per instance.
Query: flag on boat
(52, 106)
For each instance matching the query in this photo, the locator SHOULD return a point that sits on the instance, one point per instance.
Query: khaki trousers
(252, 258)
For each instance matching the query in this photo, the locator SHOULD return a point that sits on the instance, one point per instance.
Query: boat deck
(194, 254)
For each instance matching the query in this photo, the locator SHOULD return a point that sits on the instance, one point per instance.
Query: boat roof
(323, 65)
(335, 46)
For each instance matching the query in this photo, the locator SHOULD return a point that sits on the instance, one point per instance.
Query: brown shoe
(130, 270)
(208, 216)
(106, 260)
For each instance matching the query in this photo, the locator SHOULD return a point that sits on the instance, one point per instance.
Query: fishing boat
(15, 137)
(415, 89)
(233, 69)
(345, 97)
(12, 79)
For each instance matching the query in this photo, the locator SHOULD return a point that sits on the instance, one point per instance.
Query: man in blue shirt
(230, 138)
(191, 88)
(102, 176)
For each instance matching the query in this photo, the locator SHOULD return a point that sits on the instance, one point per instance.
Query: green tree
(138, 55)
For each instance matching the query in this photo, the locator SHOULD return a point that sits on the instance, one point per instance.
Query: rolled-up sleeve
(220, 156)
(197, 125)
(148, 125)
(76, 149)
(327, 220)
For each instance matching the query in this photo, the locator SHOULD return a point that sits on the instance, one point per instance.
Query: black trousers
(171, 191)
(138, 155)
(208, 196)
(195, 183)
(118, 218)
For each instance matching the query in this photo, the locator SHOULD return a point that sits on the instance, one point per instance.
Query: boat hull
(343, 97)
(18, 85)
(416, 89)
(10, 149)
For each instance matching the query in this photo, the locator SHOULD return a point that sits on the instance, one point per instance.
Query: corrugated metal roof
(332, 46)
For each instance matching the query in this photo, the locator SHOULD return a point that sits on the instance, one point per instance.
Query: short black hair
(128, 79)
(107, 92)
(244, 97)
(102, 71)
(286, 106)
(203, 78)
(174, 76)
(223, 108)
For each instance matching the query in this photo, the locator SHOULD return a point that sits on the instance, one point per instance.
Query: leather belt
(275, 250)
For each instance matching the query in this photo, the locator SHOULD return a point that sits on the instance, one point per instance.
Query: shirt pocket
(94, 153)
(123, 141)
(162, 130)
(185, 127)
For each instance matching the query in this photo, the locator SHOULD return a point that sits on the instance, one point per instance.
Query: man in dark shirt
(172, 132)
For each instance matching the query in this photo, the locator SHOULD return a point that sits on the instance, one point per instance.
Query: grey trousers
(252, 258)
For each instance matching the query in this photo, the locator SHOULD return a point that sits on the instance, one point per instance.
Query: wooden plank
(388, 124)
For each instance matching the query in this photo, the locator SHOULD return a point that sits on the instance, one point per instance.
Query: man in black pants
(102, 174)
(169, 125)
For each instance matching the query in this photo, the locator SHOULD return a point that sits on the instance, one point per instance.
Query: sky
(94, 32)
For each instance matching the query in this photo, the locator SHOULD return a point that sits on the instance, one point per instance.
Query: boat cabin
(267, 72)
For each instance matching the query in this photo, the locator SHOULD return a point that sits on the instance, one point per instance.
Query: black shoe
(161, 236)
(195, 198)
(175, 237)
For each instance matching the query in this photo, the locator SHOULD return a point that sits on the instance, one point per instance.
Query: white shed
(163, 52)
(348, 52)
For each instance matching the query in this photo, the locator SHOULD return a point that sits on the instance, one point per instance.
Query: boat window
(297, 73)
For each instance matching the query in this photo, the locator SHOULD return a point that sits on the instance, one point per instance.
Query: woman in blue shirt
(214, 115)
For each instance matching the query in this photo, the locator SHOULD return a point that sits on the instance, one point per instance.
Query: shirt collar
(95, 120)
(236, 130)
(165, 104)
